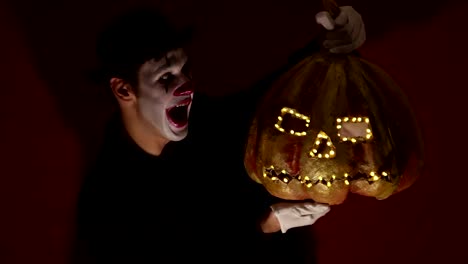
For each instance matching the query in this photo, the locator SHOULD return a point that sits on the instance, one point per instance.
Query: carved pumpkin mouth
(281, 176)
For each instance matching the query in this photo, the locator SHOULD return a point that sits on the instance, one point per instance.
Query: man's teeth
(183, 103)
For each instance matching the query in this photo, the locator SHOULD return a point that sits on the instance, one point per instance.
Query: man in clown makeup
(148, 198)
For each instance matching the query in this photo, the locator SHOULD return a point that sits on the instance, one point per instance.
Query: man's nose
(184, 89)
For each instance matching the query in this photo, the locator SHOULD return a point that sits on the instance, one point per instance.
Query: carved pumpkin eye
(354, 129)
(292, 116)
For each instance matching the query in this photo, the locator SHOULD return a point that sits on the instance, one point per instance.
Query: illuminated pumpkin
(333, 125)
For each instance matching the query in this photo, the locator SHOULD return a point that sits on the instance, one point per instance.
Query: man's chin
(178, 134)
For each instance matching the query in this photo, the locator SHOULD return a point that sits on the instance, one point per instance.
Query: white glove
(292, 215)
(350, 33)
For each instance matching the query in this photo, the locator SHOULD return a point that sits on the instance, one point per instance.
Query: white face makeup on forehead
(165, 95)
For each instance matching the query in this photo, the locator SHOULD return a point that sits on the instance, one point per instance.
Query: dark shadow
(62, 36)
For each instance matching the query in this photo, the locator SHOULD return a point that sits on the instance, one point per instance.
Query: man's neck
(143, 135)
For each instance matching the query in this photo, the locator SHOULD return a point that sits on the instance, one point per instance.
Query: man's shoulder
(111, 144)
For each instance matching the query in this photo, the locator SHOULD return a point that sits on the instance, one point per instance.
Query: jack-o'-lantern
(333, 125)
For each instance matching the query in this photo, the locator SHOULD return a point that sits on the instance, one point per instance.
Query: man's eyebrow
(168, 62)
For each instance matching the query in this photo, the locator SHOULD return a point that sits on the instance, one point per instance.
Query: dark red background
(51, 116)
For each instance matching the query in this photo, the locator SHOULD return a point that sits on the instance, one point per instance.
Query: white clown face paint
(165, 95)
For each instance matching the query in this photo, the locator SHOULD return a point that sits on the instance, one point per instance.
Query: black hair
(133, 39)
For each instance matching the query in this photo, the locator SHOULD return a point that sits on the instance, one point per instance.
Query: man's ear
(121, 89)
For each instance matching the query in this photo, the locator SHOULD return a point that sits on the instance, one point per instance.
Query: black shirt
(186, 204)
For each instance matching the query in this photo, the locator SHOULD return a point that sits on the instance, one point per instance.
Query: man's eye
(166, 79)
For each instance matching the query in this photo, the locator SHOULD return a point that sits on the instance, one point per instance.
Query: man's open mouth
(178, 114)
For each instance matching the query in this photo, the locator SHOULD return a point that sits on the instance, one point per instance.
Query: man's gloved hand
(292, 215)
(346, 32)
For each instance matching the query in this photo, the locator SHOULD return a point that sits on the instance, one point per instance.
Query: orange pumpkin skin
(332, 125)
